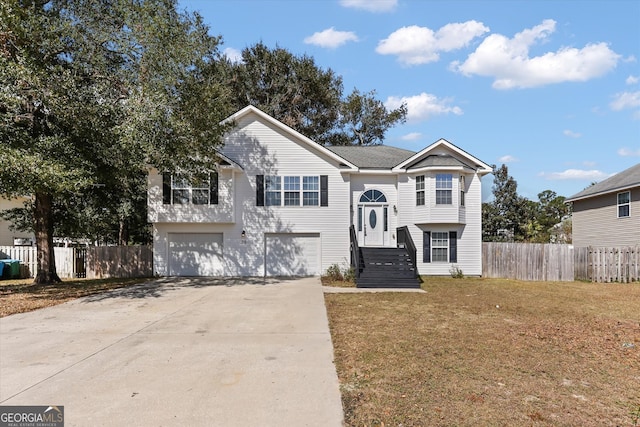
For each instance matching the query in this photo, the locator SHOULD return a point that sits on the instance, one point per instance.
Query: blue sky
(549, 88)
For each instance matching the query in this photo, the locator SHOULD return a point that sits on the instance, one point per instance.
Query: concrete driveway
(178, 352)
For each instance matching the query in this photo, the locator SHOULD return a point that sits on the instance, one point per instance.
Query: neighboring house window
(624, 201)
(420, 190)
(440, 246)
(274, 190)
(183, 190)
(444, 186)
(462, 187)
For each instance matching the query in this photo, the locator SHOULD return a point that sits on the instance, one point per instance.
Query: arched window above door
(373, 196)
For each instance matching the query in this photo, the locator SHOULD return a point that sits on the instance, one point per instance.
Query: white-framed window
(462, 189)
(444, 187)
(420, 199)
(310, 190)
(273, 190)
(439, 246)
(182, 189)
(624, 204)
(292, 190)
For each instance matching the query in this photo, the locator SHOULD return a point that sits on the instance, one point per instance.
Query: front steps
(386, 268)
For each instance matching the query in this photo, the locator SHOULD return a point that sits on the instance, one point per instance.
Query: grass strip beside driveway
(20, 296)
(489, 352)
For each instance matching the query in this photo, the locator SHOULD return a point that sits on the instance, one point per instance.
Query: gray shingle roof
(625, 179)
(373, 156)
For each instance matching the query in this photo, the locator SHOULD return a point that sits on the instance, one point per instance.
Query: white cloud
(625, 100)
(371, 5)
(508, 61)
(234, 55)
(413, 136)
(330, 38)
(423, 106)
(571, 134)
(631, 80)
(589, 163)
(507, 159)
(628, 152)
(575, 174)
(420, 45)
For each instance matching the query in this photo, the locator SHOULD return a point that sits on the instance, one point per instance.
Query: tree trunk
(43, 225)
(123, 233)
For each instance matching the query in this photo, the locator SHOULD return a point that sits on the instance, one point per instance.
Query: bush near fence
(556, 262)
(94, 262)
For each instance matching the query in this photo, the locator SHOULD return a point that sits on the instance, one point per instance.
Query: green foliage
(92, 94)
(338, 273)
(297, 92)
(510, 217)
(456, 272)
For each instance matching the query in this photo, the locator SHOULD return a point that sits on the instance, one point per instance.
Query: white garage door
(195, 254)
(292, 254)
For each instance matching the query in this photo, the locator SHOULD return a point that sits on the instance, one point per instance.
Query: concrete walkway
(180, 352)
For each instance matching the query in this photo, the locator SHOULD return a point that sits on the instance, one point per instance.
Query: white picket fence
(28, 260)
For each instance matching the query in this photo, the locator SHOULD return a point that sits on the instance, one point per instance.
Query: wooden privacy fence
(528, 261)
(94, 262)
(553, 262)
(608, 264)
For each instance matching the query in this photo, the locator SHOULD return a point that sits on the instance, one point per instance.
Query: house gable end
(458, 159)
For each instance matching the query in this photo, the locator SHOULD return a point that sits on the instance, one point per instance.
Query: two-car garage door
(286, 254)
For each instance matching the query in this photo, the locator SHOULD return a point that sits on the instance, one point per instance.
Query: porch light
(243, 236)
(395, 210)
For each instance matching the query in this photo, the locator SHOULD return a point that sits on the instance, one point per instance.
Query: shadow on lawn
(157, 288)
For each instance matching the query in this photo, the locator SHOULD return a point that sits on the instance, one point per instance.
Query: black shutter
(213, 188)
(426, 246)
(453, 246)
(324, 190)
(166, 188)
(259, 190)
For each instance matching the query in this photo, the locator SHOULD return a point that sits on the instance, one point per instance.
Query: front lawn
(489, 352)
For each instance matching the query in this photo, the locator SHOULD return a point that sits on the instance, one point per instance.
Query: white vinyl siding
(262, 149)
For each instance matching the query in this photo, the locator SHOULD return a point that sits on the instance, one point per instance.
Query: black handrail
(405, 241)
(355, 251)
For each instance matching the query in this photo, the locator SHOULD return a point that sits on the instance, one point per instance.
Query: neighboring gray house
(607, 214)
(280, 204)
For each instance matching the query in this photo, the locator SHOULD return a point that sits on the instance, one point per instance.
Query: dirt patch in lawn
(489, 352)
(20, 296)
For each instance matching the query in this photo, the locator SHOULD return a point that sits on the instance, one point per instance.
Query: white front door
(373, 226)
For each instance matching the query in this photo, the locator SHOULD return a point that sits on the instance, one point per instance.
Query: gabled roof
(439, 160)
(624, 180)
(372, 157)
(468, 161)
(250, 109)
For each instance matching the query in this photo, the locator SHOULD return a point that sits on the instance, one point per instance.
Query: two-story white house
(280, 205)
